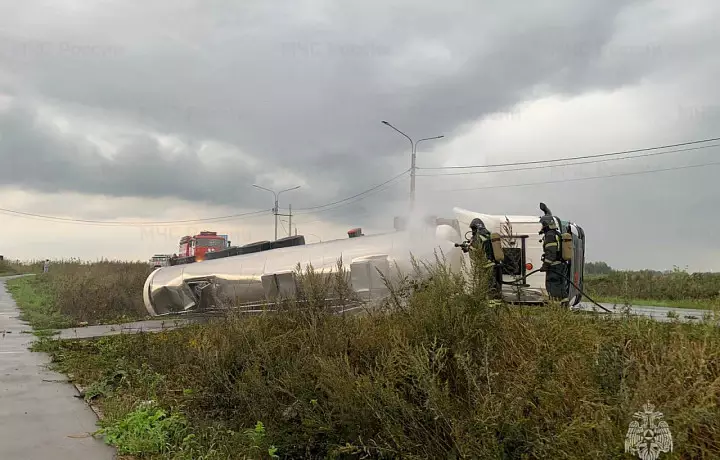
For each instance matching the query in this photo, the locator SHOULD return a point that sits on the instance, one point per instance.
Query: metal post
(412, 167)
(276, 209)
(412, 175)
(413, 155)
(289, 220)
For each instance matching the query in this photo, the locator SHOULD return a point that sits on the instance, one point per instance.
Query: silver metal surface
(264, 276)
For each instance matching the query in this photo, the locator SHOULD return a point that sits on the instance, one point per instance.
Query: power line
(129, 223)
(387, 187)
(519, 169)
(362, 195)
(191, 221)
(624, 152)
(359, 214)
(581, 178)
(569, 164)
(356, 195)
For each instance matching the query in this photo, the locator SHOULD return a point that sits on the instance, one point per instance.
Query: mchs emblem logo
(648, 435)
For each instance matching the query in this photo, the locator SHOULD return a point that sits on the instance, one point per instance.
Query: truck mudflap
(577, 265)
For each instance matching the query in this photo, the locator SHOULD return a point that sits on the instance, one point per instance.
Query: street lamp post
(413, 147)
(275, 208)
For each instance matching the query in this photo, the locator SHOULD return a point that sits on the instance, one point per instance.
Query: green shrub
(442, 373)
(16, 267)
(75, 292)
(648, 285)
(145, 430)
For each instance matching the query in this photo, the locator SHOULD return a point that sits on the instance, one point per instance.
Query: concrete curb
(94, 407)
(100, 416)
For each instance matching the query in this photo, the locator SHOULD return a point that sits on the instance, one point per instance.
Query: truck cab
(160, 260)
(197, 246)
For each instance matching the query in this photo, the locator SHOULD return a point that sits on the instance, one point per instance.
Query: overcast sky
(171, 110)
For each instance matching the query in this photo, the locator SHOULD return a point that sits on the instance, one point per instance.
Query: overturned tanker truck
(259, 273)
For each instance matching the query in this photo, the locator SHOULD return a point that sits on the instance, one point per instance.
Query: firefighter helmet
(548, 222)
(477, 224)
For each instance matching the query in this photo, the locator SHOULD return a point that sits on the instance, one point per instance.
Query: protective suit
(481, 247)
(554, 267)
(480, 240)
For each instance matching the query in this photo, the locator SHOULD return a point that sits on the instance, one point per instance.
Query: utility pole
(413, 152)
(276, 208)
(289, 216)
(275, 211)
(290, 229)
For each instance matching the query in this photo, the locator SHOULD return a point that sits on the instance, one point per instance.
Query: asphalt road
(154, 325)
(657, 313)
(40, 417)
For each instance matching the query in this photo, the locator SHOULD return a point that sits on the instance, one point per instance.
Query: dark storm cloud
(302, 88)
(37, 158)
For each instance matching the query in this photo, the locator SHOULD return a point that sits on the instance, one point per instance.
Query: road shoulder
(42, 416)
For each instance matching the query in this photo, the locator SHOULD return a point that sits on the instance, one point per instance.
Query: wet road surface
(103, 330)
(156, 325)
(40, 417)
(655, 312)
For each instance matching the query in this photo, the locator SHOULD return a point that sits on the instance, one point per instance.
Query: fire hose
(465, 245)
(566, 278)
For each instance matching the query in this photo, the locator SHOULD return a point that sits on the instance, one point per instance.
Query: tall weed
(441, 374)
(75, 292)
(677, 285)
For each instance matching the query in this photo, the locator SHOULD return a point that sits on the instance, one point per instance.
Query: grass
(676, 289)
(36, 301)
(74, 293)
(439, 373)
(14, 267)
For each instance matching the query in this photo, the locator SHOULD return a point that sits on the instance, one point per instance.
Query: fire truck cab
(199, 245)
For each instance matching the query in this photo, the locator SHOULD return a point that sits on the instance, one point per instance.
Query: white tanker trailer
(260, 272)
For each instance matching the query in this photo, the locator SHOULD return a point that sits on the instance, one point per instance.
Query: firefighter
(481, 245)
(553, 265)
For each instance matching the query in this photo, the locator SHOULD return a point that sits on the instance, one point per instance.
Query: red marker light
(529, 266)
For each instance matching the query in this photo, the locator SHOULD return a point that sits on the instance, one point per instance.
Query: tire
(289, 241)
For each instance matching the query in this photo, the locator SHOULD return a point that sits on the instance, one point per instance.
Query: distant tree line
(598, 268)
(602, 268)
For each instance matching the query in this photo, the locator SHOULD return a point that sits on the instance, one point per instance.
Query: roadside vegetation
(16, 267)
(439, 372)
(76, 293)
(677, 288)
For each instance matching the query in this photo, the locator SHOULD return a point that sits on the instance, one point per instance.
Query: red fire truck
(197, 246)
